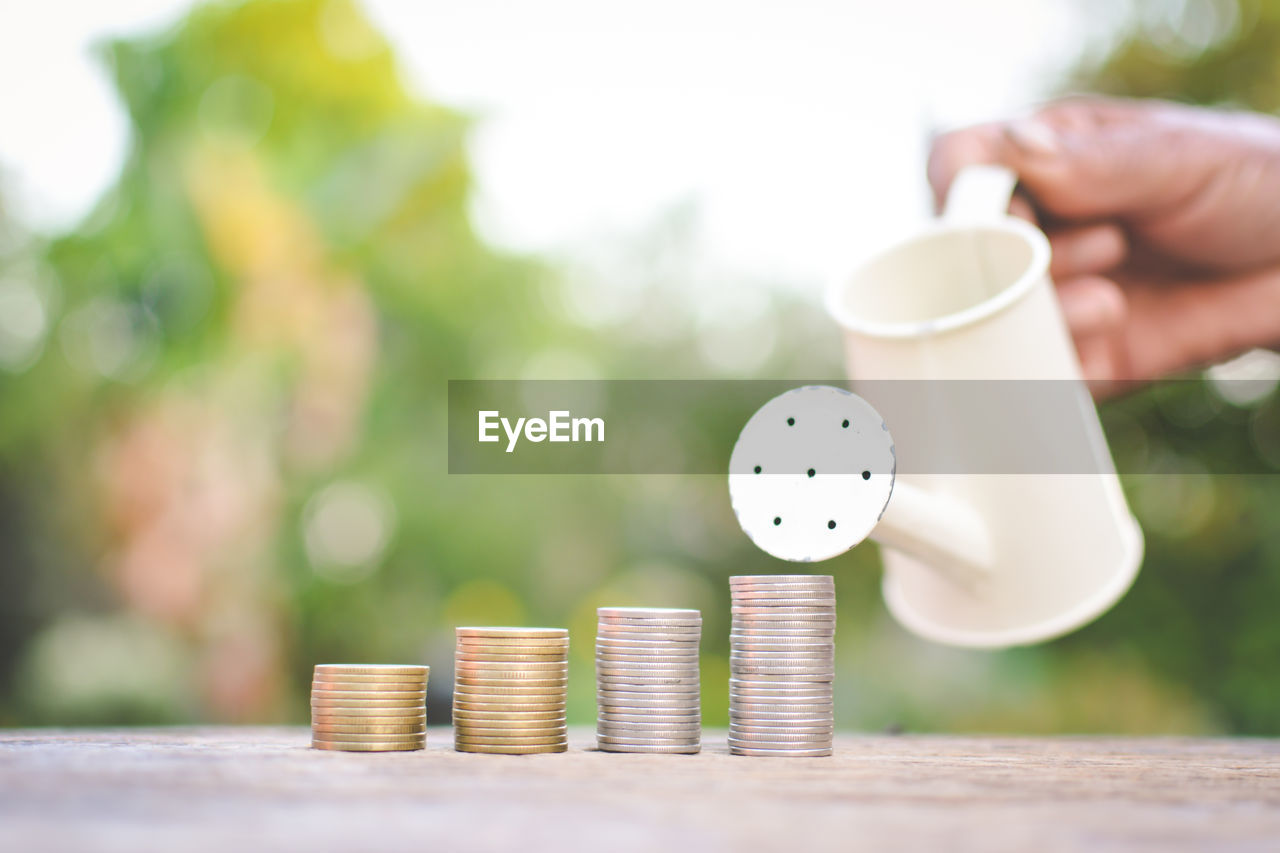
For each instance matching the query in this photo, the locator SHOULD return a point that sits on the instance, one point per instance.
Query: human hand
(1164, 221)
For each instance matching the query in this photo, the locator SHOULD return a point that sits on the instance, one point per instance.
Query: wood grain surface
(253, 789)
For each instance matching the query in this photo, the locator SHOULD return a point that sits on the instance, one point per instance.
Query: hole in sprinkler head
(757, 469)
(831, 525)
(811, 472)
(866, 475)
(777, 519)
(791, 421)
(845, 424)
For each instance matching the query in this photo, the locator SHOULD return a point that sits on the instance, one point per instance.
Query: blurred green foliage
(228, 464)
(1202, 614)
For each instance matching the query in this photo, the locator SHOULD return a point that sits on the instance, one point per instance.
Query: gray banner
(938, 427)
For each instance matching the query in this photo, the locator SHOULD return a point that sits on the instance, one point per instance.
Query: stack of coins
(781, 664)
(510, 689)
(647, 680)
(369, 707)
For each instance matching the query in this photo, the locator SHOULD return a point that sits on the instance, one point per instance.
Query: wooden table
(249, 789)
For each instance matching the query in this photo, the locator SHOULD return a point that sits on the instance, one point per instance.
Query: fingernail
(1033, 137)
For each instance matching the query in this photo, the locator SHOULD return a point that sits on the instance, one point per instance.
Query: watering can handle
(979, 194)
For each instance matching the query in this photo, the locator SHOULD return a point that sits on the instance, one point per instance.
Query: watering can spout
(938, 530)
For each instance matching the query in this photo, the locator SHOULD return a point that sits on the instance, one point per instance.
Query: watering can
(973, 556)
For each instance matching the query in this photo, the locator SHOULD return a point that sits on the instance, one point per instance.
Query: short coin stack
(781, 664)
(647, 680)
(369, 707)
(510, 689)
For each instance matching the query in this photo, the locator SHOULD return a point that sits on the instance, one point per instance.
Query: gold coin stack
(509, 690)
(369, 707)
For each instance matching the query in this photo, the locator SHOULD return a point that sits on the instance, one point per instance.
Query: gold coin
(467, 691)
(483, 718)
(340, 701)
(329, 737)
(507, 705)
(369, 710)
(362, 696)
(514, 633)
(502, 740)
(374, 729)
(375, 684)
(510, 731)
(368, 720)
(556, 666)
(494, 749)
(543, 683)
(372, 669)
(351, 746)
(511, 657)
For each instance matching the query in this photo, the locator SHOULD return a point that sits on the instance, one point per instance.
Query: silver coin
(803, 647)
(763, 719)
(616, 729)
(628, 682)
(642, 666)
(653, 657)
(640, 632)
(754, 634)
(780, 620)
(769, 719)
(746, 709)
(782, 579)
(766, 632)
(649, 622)
(647, 612)
(639, 690)
(647, 741)
(689, 749)
(666, 707)
(780, 753)
(800, 668)
(618, 717)
(781, 658)
(780, 608)
(779, 698)
(741, 729)
(780, 739)
(656, 675)
(757, 592)
(639, 648)
(787, 688)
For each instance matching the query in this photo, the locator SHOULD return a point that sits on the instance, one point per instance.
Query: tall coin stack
(781, 664)
(647, 685)
(509, 690)
(369, 707)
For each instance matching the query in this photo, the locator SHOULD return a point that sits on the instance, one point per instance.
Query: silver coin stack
(781, 665)
(647, 684)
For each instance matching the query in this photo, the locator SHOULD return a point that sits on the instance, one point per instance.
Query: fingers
(1086, 250)
(1096, 311)
(1092, 305)
(1081, 158)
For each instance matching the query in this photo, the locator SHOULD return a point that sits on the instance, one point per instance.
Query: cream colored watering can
(973, 555)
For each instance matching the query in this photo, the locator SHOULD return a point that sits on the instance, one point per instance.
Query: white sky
(797, 128)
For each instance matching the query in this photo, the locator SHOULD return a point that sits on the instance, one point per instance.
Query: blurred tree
(1202, 612)
(242, 426)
